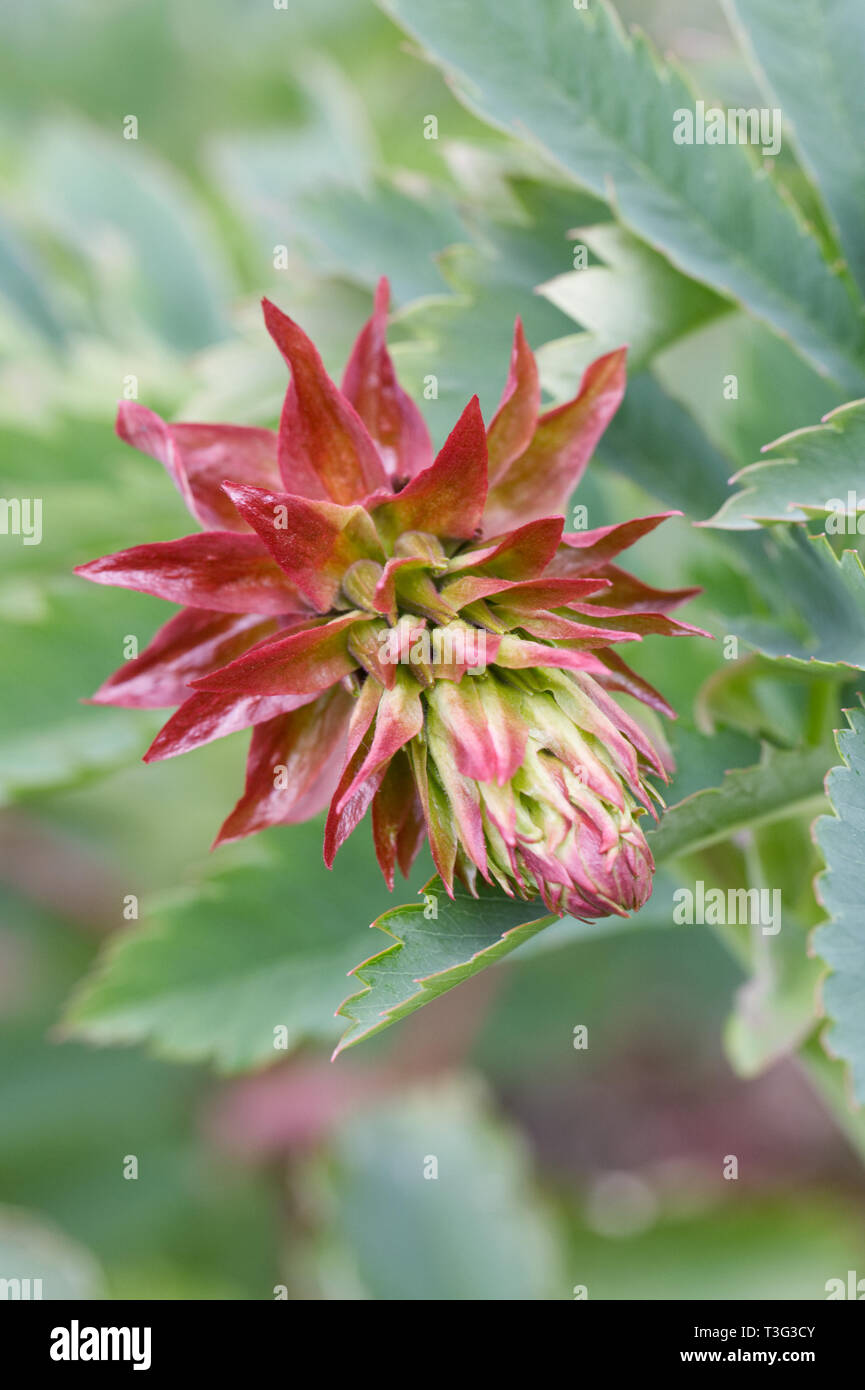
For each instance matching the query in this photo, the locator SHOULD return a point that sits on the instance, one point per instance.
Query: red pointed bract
(205, 717)
(586, 550)
(541, 480)
(448, 497)
(313, 542)
(292, 768)
(521, 554)
(514, 423)
(305, 661)
(213, 569)
(200, 457)
(322, 439)
(370, 385)
(191, 644)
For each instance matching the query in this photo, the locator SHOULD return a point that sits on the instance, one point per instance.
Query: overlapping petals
(410, 635)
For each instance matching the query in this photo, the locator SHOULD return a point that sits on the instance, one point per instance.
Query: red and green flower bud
(547, 808)
(406, 635)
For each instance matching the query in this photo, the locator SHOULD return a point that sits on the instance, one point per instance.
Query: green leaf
(362, 235)
(657, 443)
(840, 942)
(21, 283)
(780, 784)
(635, 296)
(702, 761)
(436, 944)
(601, 104)
(479, 1221)
(215, 1235)
(215, 970)
(138, 229)
(745, 385)
(812, 56)
(759, 697)
(66, 640)
(97, 496)
(652, 439)
(777, 1007)
(32, 1248)
(329, 143)
(464, 339)
(821, 603)
(806, 473)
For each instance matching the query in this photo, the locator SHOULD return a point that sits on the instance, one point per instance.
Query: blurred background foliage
(303, 129)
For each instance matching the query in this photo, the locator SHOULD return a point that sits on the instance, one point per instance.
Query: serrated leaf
(806, 473)
(840, 942)
(213, 971)
(360, 234)
(430, 954)
(571, 80)
(821, 603)
(465, 336)
(780, 784)
(812, 56)
(634, 296)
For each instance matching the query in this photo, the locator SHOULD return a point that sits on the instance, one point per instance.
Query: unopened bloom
(407, 633)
